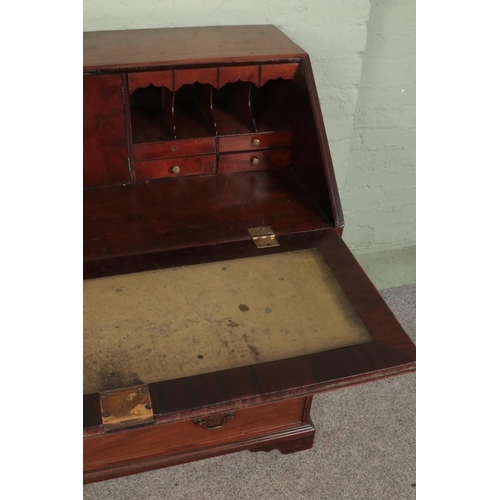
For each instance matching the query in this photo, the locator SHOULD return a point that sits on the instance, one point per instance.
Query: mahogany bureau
(219, 296)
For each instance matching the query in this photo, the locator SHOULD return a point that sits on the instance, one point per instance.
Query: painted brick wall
(378, 195)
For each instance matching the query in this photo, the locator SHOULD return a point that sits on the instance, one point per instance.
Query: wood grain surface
(171, 149)
(131, 49)
(105, 151)
(146, 78)
(164, 438)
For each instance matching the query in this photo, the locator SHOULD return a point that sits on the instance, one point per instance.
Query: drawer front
(172, 149)
(162, 439)
(175, 167)
(251, 142)
(258, 160)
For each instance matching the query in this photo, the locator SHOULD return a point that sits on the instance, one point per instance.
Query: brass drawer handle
(256, 142)
(176, 169)
(255, 161)
(214, 421)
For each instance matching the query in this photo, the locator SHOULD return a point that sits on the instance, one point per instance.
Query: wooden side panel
(105, 152)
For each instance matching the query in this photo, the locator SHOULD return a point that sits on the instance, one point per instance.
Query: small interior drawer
(257, 141)
(153, 440)
(175, 167)
(258, 160)
(173, 149)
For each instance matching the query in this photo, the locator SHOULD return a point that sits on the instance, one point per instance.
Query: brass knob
(256, 142)
(255, 161)
(176, 169)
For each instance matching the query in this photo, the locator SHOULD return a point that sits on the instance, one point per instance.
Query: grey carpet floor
(364, 449)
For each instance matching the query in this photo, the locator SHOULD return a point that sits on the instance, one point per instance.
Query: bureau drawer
(258, 160)
(158, 439)
(257, 141)
(175, 167)
(173, 149)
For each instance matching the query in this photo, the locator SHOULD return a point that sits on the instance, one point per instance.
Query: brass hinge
(125, 408)
(263, 237)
